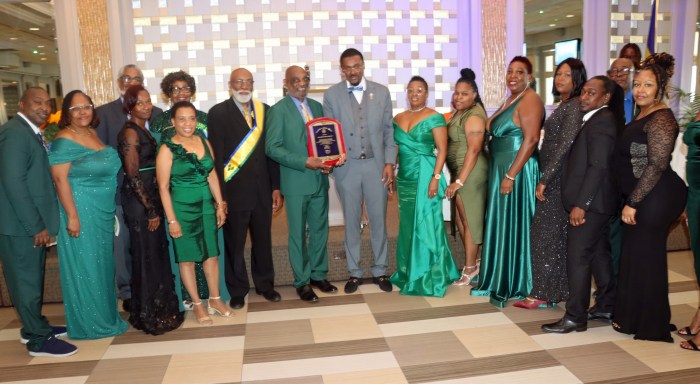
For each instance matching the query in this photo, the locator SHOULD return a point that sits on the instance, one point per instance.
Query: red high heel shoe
(532, 303)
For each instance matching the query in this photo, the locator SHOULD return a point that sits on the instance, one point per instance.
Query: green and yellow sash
(239, 155)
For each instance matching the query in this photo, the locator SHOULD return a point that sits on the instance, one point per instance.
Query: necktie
(41, 140)
(356, 88)
(246, 114)
(305, 112)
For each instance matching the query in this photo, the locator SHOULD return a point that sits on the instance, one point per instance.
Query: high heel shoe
(203, 320)
(532, 303)
(225, 312)
(466, 278)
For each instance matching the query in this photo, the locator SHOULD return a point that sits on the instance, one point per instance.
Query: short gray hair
(124, 68)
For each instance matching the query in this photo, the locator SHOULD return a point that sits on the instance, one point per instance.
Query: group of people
(543, 220)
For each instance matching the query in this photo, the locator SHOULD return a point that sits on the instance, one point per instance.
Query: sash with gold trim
(245, 148)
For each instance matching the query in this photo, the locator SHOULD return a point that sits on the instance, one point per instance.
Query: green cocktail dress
(691, 138)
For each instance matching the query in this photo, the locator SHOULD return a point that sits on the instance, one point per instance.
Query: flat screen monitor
(566, 49)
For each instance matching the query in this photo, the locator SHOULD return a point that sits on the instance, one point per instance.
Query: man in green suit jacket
(303, 182)
(29, 217)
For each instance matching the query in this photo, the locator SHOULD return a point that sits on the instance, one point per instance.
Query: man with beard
(250, 181)
(363, 108)
(29, 216)
(304, 184)
(112, 119)
(589, 195)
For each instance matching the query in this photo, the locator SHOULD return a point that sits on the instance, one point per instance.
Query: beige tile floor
(369, 337)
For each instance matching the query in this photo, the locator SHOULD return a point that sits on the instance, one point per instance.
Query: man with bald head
(251, 186)
(621, 71)
(29, 217)
(304, 184)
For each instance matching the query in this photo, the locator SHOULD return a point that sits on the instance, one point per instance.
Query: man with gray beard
(250, 183)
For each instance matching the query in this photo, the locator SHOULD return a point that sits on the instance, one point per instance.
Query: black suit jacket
(587, 174)
(112, 119)
(258, 175)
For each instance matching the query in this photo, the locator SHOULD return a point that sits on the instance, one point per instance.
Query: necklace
(83, 133)
(417, 110)
(508, 103)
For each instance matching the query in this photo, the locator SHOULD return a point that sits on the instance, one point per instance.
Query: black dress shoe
(126, 304)
(352, 284)
(270, 295)
(324, 286)
(383, 283)
(306, 293)
(602, 316)
(237, 302)
(564, 325)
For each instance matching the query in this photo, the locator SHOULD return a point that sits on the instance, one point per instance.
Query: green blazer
(285, 143)
(27, 196)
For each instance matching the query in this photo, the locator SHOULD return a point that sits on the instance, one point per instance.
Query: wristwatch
(437, 176)
(459, 182)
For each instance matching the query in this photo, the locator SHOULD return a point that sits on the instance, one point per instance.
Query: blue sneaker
(56, 330)
(54, 347)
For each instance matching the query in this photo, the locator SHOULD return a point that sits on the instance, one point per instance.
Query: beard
(242, 96)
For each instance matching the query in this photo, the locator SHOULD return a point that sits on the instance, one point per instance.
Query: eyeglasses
(355, 67)
(619, 71)
(78, 108)
(129, 79)
(240, 82)
(177, 90)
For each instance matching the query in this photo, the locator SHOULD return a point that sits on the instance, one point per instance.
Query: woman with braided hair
(654, 198)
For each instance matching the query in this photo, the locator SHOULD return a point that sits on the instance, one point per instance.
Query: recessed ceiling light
(42, 54)
(43, 59)
(541, 12)
(33, 29)
(35, 52)
(569, 16)
(41, 46)
(13, 38)
(552, 25)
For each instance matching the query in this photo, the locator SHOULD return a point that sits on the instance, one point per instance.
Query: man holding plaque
(304, 184)
(364, 110)
(250, 183)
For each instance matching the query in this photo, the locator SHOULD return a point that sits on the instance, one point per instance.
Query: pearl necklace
(417, 110)
(83, 133)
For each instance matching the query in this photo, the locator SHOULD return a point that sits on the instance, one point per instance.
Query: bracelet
(509, 177)
(172, 221)
(222, 204)
(459, 182)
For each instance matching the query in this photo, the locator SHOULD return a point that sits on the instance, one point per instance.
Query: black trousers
(588, 248)
(259, 221)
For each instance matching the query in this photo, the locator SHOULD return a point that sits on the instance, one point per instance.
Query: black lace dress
(647, 183)
(549, 225)
(154, 303)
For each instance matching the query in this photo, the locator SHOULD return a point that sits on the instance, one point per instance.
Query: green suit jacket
(27, 196)
(285, 143)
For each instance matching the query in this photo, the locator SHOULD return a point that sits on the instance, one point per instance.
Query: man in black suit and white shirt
(250, 184)
(112, 118)
(589, 195)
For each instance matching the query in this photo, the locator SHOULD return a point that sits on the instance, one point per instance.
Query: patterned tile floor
(370, 337)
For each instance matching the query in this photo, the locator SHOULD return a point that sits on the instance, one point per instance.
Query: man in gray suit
(364, 110)
(112, 118)
(29, 216)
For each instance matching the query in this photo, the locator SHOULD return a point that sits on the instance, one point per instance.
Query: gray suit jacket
(27, 196)
(337, 106)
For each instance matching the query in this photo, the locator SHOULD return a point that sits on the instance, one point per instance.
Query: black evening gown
(549, 225)
(154, 303)
(647, 183)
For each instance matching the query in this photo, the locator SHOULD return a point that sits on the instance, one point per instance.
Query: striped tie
(305, 112)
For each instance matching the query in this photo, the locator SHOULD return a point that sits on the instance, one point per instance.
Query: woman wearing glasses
(85, 173)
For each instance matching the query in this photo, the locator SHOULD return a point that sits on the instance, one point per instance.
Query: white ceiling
(19, 44)
(546, 15)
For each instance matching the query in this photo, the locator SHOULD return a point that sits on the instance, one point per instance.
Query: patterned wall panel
(94, 47)
(209, 38)
(494, 47)
(630, 20)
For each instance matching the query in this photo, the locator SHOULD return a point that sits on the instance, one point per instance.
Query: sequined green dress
(86, 262)
(424, 263)
(691, 138)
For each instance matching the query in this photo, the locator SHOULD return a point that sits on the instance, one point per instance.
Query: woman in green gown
(85, 173)
(469, 168)
(505, 270)
(175, 87)
(691, 138)
(424, 264)
(191, 196)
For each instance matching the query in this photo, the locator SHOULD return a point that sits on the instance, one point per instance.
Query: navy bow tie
(356, 88)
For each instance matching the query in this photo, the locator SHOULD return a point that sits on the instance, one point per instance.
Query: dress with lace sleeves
(130, 148)
(651, 159)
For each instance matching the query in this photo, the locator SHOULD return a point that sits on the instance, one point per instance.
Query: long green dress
(86, 262)
(505, 271)
(473, 193)
(691, 138)
(424, 264)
